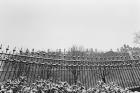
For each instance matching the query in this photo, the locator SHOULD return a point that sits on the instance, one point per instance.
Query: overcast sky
(43, 24)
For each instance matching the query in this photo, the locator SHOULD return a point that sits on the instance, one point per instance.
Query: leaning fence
(122, 70)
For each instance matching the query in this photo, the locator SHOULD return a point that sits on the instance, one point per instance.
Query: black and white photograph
(69, 46)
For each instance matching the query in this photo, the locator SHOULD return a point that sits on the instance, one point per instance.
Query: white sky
(43, 24)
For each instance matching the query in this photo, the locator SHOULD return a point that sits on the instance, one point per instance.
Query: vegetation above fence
(75, 53)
